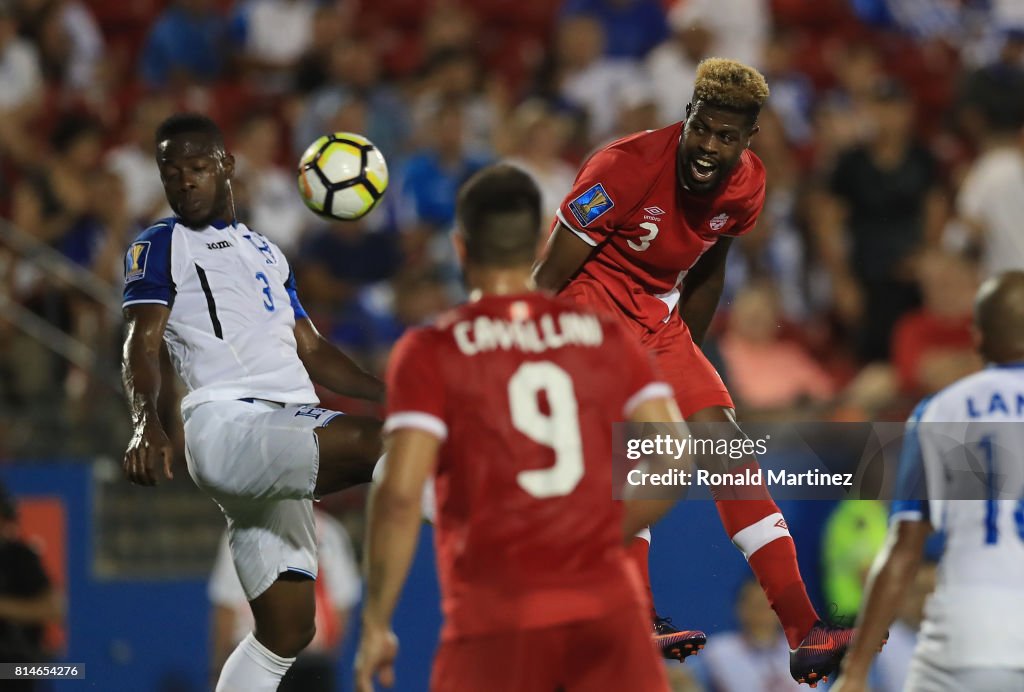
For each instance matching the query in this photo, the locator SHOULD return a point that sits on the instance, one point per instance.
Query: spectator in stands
(636, 25)
(264, 190)
(583, 77)
(28, 601)
(777, 250)
(933, 346)
(353, 71)
(330, 23)
(991, 198)
(755, 658)
(432, 175)
(186, 45)
(885, 204)
(536, 139)
(50, 201)
(455, 74)
(674, 61)
(132, 160)
(768, 372)
(338, 260)
(338, 587)
(739, 29)
(792, 91)
(842, 117)
(70, 45)
(273, 36)
(21, 84)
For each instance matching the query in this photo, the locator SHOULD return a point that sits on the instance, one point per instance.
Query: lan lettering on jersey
(135, 261)
(591, 204)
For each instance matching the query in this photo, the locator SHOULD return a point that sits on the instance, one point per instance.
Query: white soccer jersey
(963, 470)
(233, 308)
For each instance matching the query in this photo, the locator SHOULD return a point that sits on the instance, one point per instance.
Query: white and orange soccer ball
(342, 176)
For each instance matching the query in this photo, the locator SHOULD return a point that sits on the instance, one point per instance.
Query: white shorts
(258, 460)
(927, 677)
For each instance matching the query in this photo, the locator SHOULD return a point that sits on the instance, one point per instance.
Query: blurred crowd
(892, 139)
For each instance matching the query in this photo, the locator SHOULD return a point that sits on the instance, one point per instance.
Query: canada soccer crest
(717, 223)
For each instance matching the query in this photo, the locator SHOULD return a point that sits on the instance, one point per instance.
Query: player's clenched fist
(148, 450)
(378, 648)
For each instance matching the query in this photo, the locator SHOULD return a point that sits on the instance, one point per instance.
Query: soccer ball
(342, 176)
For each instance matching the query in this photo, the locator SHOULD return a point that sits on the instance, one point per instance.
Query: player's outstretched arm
(328, 366)
(562, 258)
(149, 448)
(391, 534)
(702, 288)
(640, 512)
(891, 576)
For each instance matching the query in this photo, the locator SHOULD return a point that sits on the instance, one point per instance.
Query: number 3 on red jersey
(645, 240)
(559, 430)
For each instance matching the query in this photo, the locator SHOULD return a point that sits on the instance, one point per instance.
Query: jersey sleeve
(293, 296)
(599, 198)
(147, 267)
(643, 381)
(910, 499)
(415, 390)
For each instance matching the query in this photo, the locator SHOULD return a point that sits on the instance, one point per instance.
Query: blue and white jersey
(962, 469)
(233, 307)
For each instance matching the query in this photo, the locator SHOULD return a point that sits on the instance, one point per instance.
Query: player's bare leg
(285, 624)
(349, 448)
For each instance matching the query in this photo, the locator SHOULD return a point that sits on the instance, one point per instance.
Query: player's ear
(459, 243)
(689, 107)
(229, 166)
(753, 131)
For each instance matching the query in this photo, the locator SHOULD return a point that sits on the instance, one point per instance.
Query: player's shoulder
(750, 175)
(947, 405)
(647, 146)
(158, 231)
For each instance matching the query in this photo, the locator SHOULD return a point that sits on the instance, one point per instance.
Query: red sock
(755, 525)
(638, 551)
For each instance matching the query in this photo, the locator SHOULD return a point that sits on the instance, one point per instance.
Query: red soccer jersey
(518, 388)
(628, 202)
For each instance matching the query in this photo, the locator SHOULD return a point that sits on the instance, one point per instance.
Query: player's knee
(289, 641)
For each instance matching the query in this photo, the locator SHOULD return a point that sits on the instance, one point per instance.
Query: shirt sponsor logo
(135, 261)
(718, 222)
(219, 245)
(591, 204)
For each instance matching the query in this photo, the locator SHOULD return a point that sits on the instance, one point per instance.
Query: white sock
(252, 667)
(428, 503)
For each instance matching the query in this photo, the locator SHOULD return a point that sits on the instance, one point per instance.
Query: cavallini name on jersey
(488, 334)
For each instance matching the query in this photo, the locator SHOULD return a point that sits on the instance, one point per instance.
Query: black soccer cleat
(820, 653)
(675, 643)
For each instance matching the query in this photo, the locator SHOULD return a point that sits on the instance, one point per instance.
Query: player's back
(971, 437)
(528, 533)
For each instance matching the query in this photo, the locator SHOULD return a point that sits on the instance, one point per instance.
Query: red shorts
(696, 383)
(615, 652)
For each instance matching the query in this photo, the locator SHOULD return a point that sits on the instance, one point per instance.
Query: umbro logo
(654, 211)
(219, 245)
(781, 524)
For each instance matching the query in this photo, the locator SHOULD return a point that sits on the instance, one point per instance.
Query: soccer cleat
(676, 643)
(819, 653)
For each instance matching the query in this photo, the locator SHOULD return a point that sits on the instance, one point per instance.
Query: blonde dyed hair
(730, 84)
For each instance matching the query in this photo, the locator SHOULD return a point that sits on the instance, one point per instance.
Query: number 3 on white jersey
(559, 430)
(645, 240)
